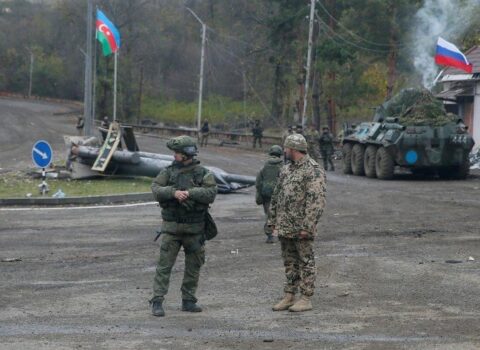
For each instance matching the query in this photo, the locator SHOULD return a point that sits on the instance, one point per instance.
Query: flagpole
(115, 88)
(309, 61)
(438, 76)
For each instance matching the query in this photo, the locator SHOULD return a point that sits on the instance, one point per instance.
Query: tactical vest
(188, 212)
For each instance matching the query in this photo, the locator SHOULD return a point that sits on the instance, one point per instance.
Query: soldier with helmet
(265, 184)
(297, 204)
(327, 148)
(184, 190)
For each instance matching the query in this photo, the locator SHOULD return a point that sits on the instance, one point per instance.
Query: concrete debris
(11, 259)
(59, 194)
(471, 258)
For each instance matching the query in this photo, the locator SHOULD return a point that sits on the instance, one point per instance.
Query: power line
(351, 43)
(353, 33)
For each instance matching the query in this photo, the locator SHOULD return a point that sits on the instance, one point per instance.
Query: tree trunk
(277, 94)
(392, 56)
(316, 103)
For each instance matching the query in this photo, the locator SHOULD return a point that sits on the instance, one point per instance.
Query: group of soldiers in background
(316, 142)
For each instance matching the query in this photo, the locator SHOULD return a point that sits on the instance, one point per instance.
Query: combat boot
(157, 308)
(302, 304)
(190, 306)
(287, 301)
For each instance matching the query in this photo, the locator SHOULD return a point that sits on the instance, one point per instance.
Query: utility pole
(87, 97)
(32, 58)
(309, 59)
(244, 76)
(202, 61)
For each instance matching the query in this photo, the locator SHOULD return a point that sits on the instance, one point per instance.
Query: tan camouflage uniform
(297, 204)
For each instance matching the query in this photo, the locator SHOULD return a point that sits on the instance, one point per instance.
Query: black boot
(157, 308)
(190, 306)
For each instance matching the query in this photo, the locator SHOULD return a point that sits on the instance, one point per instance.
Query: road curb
(87, 200)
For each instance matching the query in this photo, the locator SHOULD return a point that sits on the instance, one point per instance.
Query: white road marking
(81, 207)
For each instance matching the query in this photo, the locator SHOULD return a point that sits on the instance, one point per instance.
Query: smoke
(446, 18)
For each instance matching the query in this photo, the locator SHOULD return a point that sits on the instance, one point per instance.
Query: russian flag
(449, 55)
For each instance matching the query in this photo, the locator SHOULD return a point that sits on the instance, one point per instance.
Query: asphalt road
(383, 282)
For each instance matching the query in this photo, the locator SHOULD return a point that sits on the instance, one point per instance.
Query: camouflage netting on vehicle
(416, 107)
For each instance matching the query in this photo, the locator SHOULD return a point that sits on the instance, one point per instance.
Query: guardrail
(39, 98)
(222, 136)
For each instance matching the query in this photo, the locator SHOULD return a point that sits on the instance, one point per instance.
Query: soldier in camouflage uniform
(287, 133)
(257, 132)
(326, 148)
(297, 204)
(184, 191)
(312, 136)
(265, 184)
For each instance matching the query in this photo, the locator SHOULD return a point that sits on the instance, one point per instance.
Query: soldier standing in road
(312, 136)
(257, 132)
(297, 204)
(104, 126)
(265, 184)
(184, 190)
(287, 133)
(80, 125)
(326, 148)
(204, 132)
(299, 129)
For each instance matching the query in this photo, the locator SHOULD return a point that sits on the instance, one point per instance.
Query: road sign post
(42, 157)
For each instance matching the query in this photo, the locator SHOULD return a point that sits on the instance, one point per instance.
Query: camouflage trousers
(266, 209)
(255, 139)
(194, 259)
(327, 159)
(204, 139)
(299, 261)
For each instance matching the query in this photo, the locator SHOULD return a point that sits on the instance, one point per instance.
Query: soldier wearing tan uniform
(297, 204)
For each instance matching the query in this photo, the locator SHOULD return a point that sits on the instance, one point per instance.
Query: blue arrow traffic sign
(42, 154)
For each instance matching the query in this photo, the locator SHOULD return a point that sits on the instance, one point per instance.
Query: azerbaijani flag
(107, 34)
(449, 55)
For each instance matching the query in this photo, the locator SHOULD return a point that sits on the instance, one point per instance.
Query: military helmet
(183, 144)
(275, 150)
(296, 142)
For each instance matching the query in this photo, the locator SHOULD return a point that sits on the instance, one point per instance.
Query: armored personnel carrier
(412, 130)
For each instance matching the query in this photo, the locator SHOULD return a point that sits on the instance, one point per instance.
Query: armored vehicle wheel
(347, 158)
(369, 161)
(459, 172)
(384, 164)
(358, 152)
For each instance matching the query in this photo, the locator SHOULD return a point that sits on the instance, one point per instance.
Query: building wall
(476, 116)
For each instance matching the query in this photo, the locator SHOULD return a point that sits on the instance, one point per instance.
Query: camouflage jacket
(188, 216)
(298, 199)
(267, 179)
(326, 142)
